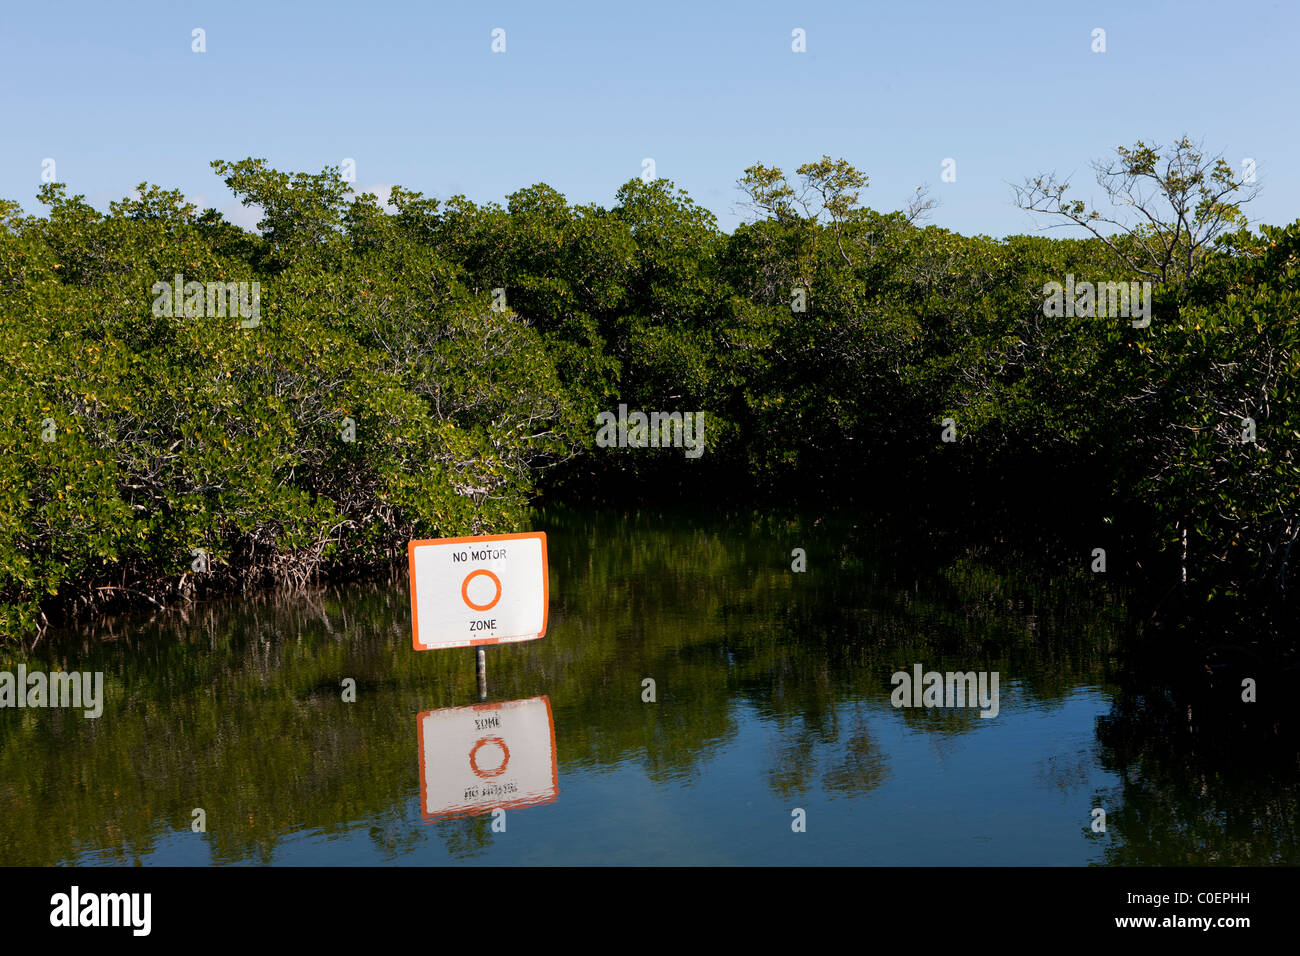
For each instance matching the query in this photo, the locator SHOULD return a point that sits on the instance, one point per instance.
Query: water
(772, 697)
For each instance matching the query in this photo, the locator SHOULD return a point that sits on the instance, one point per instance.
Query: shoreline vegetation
(370, 370)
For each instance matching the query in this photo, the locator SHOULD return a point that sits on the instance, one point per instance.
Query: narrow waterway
(771, 737)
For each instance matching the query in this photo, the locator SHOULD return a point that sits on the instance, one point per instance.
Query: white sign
(492, 589)
(487, 757)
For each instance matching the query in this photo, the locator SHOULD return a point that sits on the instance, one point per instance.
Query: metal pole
(482, 674)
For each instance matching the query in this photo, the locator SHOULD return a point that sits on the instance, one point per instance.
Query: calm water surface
(772, 695)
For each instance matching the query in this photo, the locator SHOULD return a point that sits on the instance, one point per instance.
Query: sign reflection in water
(485, 757)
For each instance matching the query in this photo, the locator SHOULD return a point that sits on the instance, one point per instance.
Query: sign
(486, 757)
(465, 592)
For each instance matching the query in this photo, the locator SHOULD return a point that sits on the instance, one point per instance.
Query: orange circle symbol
(473, 754)
(464, 590)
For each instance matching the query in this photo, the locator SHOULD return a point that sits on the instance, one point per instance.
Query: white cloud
(246, 217)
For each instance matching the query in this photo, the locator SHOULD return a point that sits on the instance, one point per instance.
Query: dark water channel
(772, 695)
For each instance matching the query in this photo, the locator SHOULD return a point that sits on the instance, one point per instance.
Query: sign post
(472, 592)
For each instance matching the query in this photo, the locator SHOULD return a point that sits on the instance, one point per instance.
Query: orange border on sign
(509, 804)
(508, 639)
(464, 590)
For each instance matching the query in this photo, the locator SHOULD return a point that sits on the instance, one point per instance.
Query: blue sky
(585, 91)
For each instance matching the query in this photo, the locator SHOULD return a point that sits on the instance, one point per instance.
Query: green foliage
(471, 347)
(373, 398)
